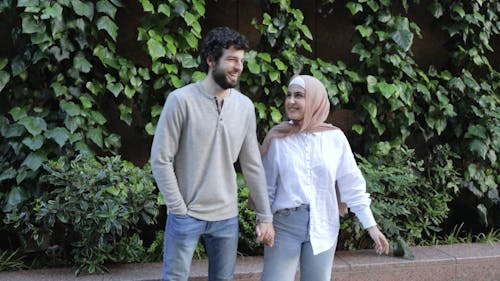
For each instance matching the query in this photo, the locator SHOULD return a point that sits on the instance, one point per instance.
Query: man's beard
(220, 78)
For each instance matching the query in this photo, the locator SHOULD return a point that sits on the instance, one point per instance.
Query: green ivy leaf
(371, 83)
(370, 106)
(403, 38)
(34, 125)
(18, 66)
(95, 134)
(28, 3)
(436, 9)
(59, 135)
(176, 82)
(150, 129)
(189, 18)
(264, 56)
(147, 6)
(365, 31)
(359, 129)
(104, 6)
(18, 113)
(54, 12)
(279, 64)
(479, 147)
(81, 63)
(86, 102)
(458, 9)
(476, 131)
(129, 92)
(470, 81)
(112, 141)
(191, 39)
(16, 196)
(199, 6)
(71, 108)
(59, 90)
(379, 126)
(164, 9)
(458, 84)
(34, 160)
(440, 125)
(107, 24)
(8, 174)
(73, 123)
(198, 76)
(125, 113)
(155, 49)
(3, 62)
(135, 81)
(107, 57)
(14, 130)
(31, 25)
(34, 143)
(253, 67)
(98, 117)
(387, 90)
(354, 7)
(274, 76)
(115, 88)
(306, 31)
(188, 61)
(276, 115)
(261, 110)
(85, 9)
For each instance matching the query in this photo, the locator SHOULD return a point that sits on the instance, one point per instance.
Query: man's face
(227, 70)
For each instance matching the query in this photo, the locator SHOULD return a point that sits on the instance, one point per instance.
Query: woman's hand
(381, 244)
(265, 233)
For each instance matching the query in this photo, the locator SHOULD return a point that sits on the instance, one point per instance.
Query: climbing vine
(63, 80)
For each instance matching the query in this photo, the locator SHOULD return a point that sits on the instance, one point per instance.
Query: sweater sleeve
(253, 171)
(270, 162)
(352, 186)
(163, 151)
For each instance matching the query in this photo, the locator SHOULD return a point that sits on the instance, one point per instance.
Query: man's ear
(210, 62)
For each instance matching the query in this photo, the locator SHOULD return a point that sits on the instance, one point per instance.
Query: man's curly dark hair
(218, 39)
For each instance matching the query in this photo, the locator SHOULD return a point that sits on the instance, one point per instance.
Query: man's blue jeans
(291, 246)
(181, 237)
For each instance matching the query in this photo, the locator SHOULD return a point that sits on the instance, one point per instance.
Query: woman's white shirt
(303, 168)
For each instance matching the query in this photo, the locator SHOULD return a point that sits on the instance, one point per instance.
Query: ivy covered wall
(90, 78)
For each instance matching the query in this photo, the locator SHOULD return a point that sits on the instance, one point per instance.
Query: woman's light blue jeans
(291, 245)
(182, 234)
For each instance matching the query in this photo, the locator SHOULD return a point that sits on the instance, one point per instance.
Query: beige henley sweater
(194, 150)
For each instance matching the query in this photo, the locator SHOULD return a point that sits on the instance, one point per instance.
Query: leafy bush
(409, 197)
(94, 211)
(247, 244)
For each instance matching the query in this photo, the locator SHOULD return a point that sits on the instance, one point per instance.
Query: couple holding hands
(207, 126)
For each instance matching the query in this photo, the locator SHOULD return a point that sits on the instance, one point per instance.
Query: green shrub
(246, 244)
(94, 210)
(409, 197)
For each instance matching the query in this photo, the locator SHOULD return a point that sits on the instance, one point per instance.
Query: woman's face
(295, 102)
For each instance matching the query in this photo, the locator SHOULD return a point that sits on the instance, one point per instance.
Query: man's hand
(381, 244)
(265, 233)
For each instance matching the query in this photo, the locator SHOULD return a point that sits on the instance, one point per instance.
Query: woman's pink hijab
(317, 108)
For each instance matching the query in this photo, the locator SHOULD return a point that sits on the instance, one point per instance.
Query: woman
(304, 158)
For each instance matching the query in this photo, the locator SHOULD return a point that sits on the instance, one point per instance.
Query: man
(204, 128)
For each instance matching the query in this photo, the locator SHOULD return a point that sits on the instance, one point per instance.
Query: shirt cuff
(365, 216)
(263, 218)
